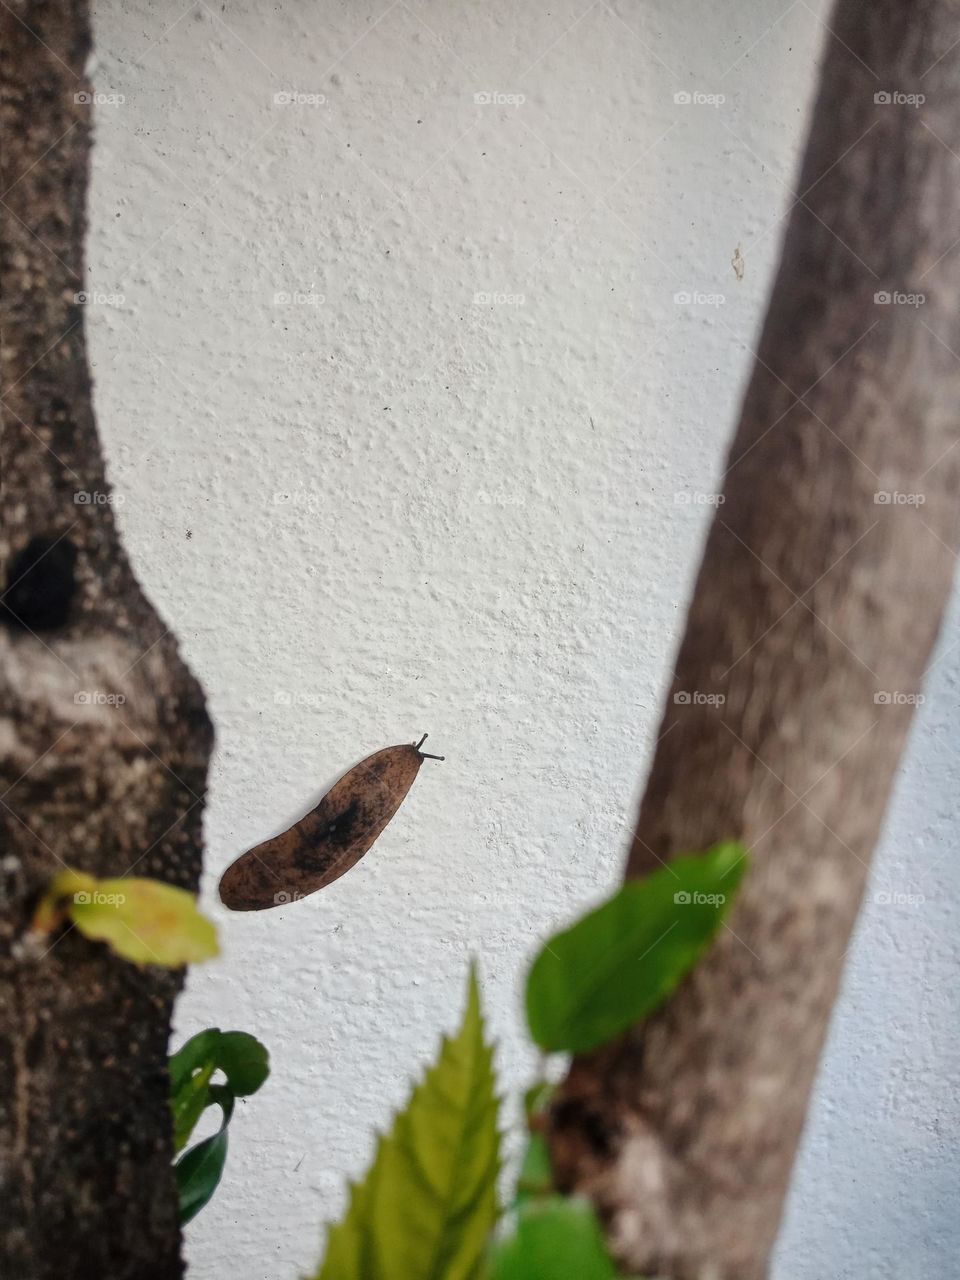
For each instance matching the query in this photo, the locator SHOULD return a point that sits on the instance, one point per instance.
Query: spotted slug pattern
(330, 839)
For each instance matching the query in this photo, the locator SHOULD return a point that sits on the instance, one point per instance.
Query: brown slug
(330, 839)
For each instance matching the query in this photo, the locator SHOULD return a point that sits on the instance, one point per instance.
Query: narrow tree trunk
(104, 739)
(812, 621)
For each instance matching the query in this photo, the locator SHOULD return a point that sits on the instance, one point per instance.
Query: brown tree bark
(813, 618)
(104, 739)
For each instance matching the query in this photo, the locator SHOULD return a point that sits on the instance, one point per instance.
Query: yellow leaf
(51, 909)
(145, 921)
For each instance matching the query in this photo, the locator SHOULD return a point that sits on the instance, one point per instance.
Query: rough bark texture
(104, 739)
(813, 617)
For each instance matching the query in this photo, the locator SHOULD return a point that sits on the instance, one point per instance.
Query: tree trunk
(817, 604)
(104, 739)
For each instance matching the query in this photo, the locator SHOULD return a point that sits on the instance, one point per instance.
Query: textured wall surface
(415, 382)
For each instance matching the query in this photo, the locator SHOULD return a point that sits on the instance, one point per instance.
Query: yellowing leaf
(51, 910)
(429, 1202)
(145, 921)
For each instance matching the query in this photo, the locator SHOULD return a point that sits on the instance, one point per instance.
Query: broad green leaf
(623, 959)
(553, 1239)
(241, 1057)
(194, 1054)
(198, 1171)
(244, 1061)
(428, 1204)
(145, 921)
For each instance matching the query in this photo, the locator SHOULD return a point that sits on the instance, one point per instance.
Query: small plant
(243, 1065)
(427, 1208)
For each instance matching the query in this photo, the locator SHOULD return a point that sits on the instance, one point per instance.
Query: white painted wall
(389, 508)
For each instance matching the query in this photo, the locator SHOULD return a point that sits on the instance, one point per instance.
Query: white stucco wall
(387, 507)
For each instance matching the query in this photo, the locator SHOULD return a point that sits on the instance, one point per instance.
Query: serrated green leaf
(623, 959)
(557, 1238)
(145, 921)
(429, 1202)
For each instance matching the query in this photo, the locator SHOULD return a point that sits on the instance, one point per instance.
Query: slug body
(330, 839)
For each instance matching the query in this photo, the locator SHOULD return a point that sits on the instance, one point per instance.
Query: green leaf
(619, 962)
(536, 1099)
(244, 1061)
(198, 1171)
(197, 1052)
(428, 1204)
(189, 1103)
(241, 1057)
(145, 921)
(536, 1172)
(553, 1239)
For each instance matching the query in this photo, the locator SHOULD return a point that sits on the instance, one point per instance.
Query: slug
(330, 839)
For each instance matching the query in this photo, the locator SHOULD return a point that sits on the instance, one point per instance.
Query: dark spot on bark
(40, 585)
(35, 1049)
(574, 1116)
